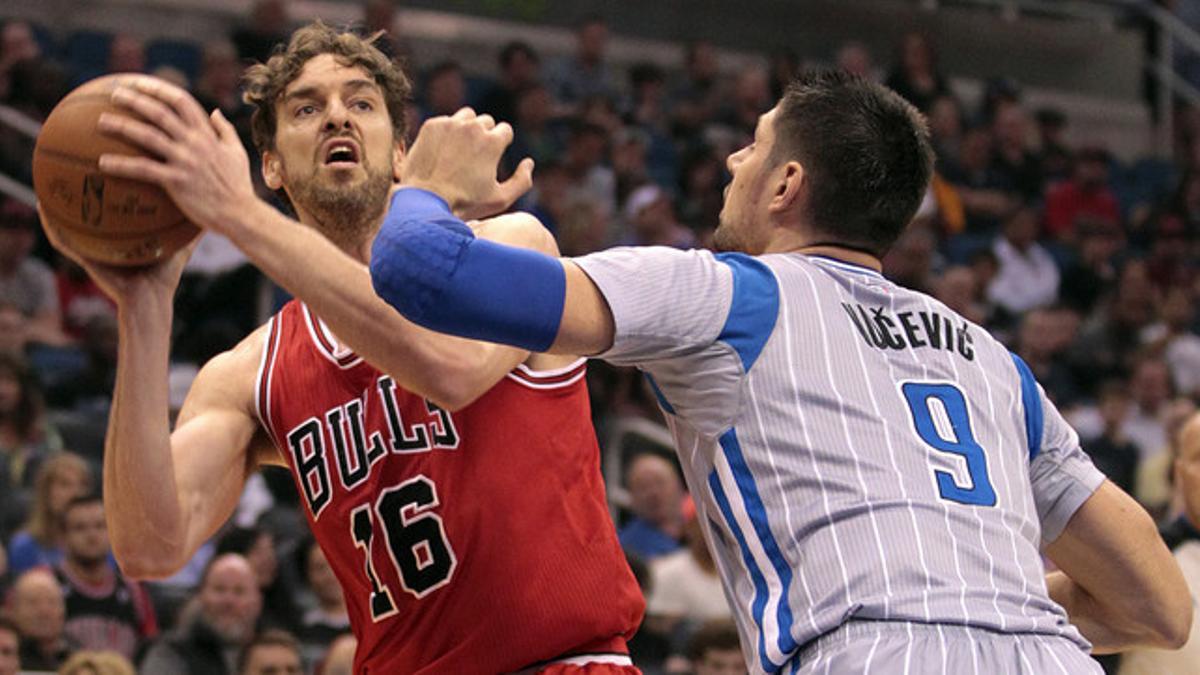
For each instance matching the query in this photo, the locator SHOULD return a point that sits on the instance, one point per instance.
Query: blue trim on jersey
(662, 400)
(753, 308)
(1031, 400)
(756, 575)
(762, 528)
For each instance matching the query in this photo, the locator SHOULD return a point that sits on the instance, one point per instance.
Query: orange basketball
(107, 219)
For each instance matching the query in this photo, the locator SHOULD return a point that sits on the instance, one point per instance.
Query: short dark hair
(272, 637)
(718, 634)
(510, 51)
(443, 68)
(866, 151)
(82, 500)
(7, 626)
(265, 82)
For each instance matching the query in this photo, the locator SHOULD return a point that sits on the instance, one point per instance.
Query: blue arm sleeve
(430, 266)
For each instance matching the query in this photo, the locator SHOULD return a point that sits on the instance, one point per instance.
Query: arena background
(1064, 218)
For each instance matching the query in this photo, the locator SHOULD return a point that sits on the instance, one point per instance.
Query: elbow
(142, 565)
(454, 393)
(1174, 625)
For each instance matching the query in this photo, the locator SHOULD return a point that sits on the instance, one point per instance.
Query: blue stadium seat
(86, 54)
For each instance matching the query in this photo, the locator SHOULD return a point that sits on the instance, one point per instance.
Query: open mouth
(341, 153)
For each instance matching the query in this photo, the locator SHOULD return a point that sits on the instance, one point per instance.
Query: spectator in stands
(26, 440)
(696, 96)
(987, 196)
(1108, 343)
(209, 641)
(17, 44)
(910, 261)
(1174, 339)
(1013, 158)
(272, 652)
(1112, 452)
(651, 220)
(958, 288)
(648, 98)
(61, 478)
(1041, 346)
(587, 72)
(25, 281)
(268, 26)
(217, 86)
(10, 647)
(627, 159)
(855, 58)
(126, 54)
(323, 623)
(90, 388)
(583, 160)
(1182, 535)
(686, 588)
(1028, 276)
(104, 609)
(520, 68)
(916, 76)
(783, 65)
(36, 603)
(1055, 152)
(79, 298)
(701, 179)
(946, 124)
(339, 660)
(257, 546)
(1092, 274)
(657, 493)
(715, 650)
(1085, 196)
(380, 15)
(534, 133)
(1171, 260)
(1151, 390)
(97, 663)
(445, 89)
(751, 97)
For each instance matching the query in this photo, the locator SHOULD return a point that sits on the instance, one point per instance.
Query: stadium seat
(185, 56)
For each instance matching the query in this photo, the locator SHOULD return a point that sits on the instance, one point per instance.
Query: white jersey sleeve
(1061, 474)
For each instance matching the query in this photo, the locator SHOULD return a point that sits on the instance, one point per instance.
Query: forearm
(145, 520)
(1108, 630)
(447, 370)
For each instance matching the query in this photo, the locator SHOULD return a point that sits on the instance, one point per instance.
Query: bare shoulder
(517, 229)
(227, 381)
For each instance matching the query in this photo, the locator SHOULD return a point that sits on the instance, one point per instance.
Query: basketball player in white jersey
(878, 477)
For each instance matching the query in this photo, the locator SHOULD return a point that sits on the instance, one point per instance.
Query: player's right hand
(124, 284)
(457, 157)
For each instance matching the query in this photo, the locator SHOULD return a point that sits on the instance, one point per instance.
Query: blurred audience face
(17, 43)
(910, 261)
(1178, 309)
(1113, 407)
(37, 606)
(958, 289)
(1021, 228)
(270, 16)
(339, 660)
(320, 577)
(1011, 125)
(945, 119)
(916, 57)
(1187, 468)
(855, 58)
(127, 54)
(230, 601)
(700, 60)
(720, 662)
(379, 15)
(534, 106)
(262, 558)
(1036, 335)
(976, 151)
(752, 90)
(521, 70)
(86, 534)
(220, 71)
(446, 91)
(656, 489)
(10, 654)
(1150, 384)
(269, 659)
(592, 41)
(16, 242)
(10, 392)
(66, 484)
(1091, 172)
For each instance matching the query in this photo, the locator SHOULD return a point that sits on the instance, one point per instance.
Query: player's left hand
(457, 157)
(197, 158)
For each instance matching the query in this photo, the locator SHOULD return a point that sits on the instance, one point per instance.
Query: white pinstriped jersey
(857, 450)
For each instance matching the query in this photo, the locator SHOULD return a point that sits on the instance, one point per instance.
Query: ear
(789, 186)
(398, 152)
(272, 170)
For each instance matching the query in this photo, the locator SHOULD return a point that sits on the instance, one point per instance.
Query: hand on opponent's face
(457, 158)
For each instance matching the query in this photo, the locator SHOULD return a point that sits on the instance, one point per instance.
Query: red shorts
(581, 666)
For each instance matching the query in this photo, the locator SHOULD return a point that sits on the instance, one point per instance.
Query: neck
(358, 250)
(835, 251)
(90, 571)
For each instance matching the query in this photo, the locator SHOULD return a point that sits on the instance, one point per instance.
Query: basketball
(106, 219)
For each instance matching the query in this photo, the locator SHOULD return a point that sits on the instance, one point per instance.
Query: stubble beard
(345, 213)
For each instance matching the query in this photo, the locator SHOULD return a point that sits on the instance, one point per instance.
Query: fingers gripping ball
(112, 220)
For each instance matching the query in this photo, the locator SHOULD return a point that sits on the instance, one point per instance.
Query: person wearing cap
(650, 218)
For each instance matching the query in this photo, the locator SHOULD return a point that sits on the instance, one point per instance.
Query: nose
(733, 159)
(337, 116)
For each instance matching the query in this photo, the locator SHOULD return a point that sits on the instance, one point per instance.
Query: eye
(363, 104)
(306, 110)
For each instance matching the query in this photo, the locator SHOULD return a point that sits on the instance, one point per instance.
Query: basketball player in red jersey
(454, 486)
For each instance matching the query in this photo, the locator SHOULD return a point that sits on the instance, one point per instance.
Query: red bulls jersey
(469, 542)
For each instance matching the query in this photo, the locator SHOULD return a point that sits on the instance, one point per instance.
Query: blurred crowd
(1086, 266)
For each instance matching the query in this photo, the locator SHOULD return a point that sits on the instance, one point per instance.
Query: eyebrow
(312, 91)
